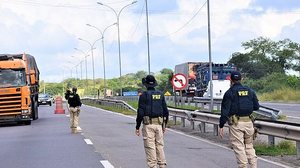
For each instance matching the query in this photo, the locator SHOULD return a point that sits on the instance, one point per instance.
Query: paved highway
(106, 137)
(46, 143)
(289, 109)
(113, 136)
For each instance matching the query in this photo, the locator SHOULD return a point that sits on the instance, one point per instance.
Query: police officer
(74, 105)
(153, 112)
(237, 105)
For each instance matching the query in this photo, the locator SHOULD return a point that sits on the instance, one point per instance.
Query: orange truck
(19, 88)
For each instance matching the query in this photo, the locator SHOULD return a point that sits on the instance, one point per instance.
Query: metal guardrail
(278, 129)
(285, 130)
(290, 131)
(109, 102)
(263, 110)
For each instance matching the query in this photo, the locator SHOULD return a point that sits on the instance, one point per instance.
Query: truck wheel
(35, 113)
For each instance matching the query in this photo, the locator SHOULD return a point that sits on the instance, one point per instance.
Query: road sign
(168, 93)
(179, 81)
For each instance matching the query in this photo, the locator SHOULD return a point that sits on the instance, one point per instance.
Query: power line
(184, 25)
(137, 25)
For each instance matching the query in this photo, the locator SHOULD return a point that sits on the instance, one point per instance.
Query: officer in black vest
(237, 105)
(74, 104)
(153, 112)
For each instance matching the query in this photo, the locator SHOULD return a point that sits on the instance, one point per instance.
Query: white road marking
(79, 129)
(68, 115)
(106, 164)
(88, 141)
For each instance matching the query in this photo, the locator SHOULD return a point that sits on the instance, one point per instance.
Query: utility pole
(210, 60)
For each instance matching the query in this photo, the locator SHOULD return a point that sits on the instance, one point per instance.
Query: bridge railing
(272, 129)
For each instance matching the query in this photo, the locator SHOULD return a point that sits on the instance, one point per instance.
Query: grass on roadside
(282, 148)
(282, 117)
(109, 108)
(282, 95)
(133, 104)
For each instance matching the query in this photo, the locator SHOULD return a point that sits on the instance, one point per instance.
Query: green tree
(141, 74)
(264, 56)
(164, 80)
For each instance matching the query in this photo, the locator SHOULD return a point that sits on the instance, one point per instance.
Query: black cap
(74, 89)
(149, 81)
(235, 75)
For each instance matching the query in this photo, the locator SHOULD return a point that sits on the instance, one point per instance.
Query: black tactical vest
(154, 107)
(242, 100)
(74, 100)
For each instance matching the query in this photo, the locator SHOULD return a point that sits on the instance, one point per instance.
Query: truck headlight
(25, 111)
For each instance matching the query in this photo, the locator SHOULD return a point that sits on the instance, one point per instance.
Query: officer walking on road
(74, 104)
(153, 112)
(237, 105)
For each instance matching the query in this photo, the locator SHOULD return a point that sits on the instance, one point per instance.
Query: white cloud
(49, 30)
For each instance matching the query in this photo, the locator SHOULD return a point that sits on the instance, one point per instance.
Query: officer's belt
(244, 118)
(155, 121)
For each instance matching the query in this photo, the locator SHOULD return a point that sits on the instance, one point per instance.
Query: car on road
(45, 99)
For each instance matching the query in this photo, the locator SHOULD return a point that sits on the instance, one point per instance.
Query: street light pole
(85, 60)
(76, 76)
(93, 64)
(80, 67)
(102, 37)
(148, 38)
(119, 41)
(210, 59)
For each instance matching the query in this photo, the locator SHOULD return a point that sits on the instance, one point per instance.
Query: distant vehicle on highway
(45, 99)
(198, 78)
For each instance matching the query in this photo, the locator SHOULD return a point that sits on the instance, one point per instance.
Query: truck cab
(18, 98)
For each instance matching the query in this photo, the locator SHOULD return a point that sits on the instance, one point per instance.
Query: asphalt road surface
(46, 143)
(107, 140)
(289, 109)
(113, 137)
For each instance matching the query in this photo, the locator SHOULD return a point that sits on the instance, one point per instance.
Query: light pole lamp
(80, 66)
(118, 24)
(102, 37)
(85, 60)
(93, 64)
(75, 66)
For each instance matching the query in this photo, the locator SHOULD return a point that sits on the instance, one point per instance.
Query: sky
(178, 32)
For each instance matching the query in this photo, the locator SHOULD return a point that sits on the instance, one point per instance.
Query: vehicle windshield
(43, 96)
(12, 78)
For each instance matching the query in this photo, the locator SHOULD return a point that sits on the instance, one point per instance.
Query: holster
(160, 120)
(146, 120)
(233, 120)
(255, 133)
(252, 117)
